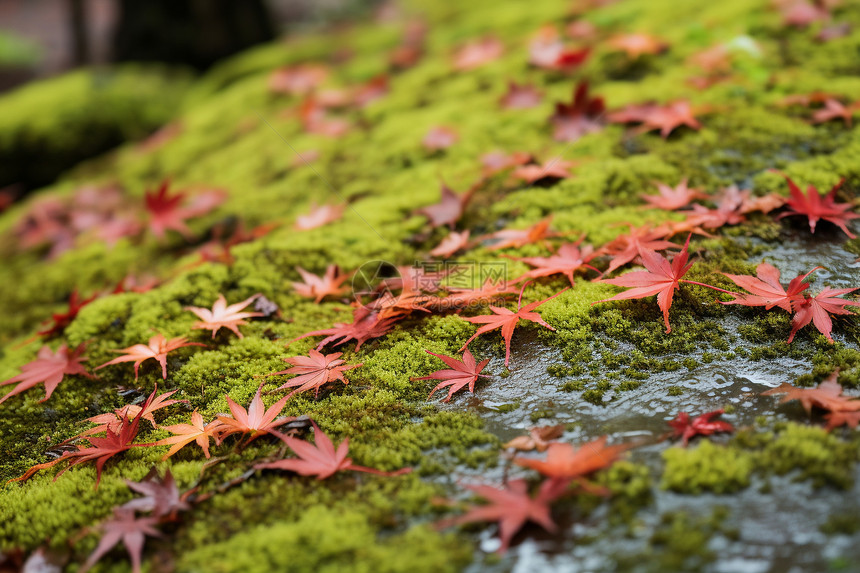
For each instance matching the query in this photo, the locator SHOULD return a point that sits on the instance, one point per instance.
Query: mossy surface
(607, 368)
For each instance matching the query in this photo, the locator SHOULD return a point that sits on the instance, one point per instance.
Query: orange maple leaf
(314, 371)
(507, 320)
(321, 459)
(156, 348)
(256, 420)
(196, 431)
(223, 316)
(319, 287)
(49, 368)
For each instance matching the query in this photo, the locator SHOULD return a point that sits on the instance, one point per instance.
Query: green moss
(681, 541)
(49, 126)
(328, 540)
(810, 453)
(232, 136)
(706, 467)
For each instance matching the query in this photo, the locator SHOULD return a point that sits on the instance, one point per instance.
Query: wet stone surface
(774, 525)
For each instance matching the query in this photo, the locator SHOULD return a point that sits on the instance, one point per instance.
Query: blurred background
(39, 38)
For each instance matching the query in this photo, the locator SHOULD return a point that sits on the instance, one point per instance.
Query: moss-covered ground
(609, 368)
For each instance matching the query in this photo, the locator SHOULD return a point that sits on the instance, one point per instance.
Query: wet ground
(771, 532)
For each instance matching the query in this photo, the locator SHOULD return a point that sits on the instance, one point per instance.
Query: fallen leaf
(512, 507)
(125, 527)
(314, 370)
(478, 53)
(567, 260)
(815, 206)
(660, 277)
(255, 421)
(581, 116)
(158, 347)
(666, 118)
(459, 374)
(507, 320)
(518, 96)
(439, 138)
(673, 198)
(223, 316)
(321, 459)
(637, 45)
(319, 287)
(703, 425)
(49, 368)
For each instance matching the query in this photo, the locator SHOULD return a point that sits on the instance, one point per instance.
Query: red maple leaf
(834, 109)
(547, 51)
(763, 203)
(800, 14)
(318, 287)
(161, 497)
(321, 459)
(666, 118)
(316, 119)
(297, 80)
(519, 237)
(49, 368)
(635, 45)
(551, 169)
(319, 216)
(314, 371)
(567, 260)
(728, 211)
(512, 507)
(539, 438)
(374, 89)
(816, 206)
(196, 431)
(169, 212)
(63, 319)
(440, 137)
(366, 325)
(449, 209)
(223, 316)
(496, 161)
(660, 277)
(518, 96)
(459, 374)
(827, 396)
(156, 348)
(583, 115)
(703, 425)
(256, 420)
(766, 289)
(458, 299)
(114, 420)
(100, 450)
(817, 310)
(478, 53)
(131, 530)
(673, 198)
(507, 320)
(624, 248)
(565, 463)
(452, 243)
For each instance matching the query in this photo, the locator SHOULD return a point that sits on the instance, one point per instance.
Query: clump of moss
(706, 467)
(328, 540)
(813, 453)
(49, 126)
